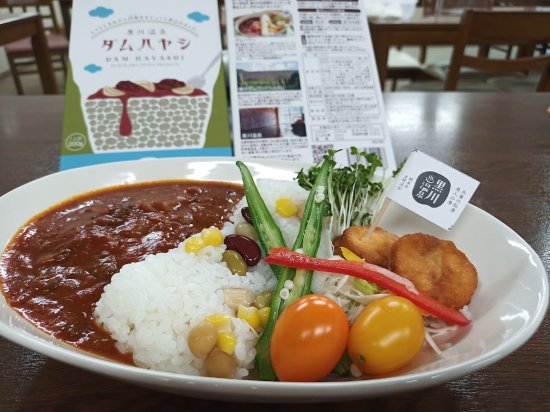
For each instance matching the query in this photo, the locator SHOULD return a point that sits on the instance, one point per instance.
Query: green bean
(263, 299)
(270, 236)
(309, 234)
(235, 262)
(309, 238)
(268, 232)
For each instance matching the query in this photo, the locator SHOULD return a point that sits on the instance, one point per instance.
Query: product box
(145, 80)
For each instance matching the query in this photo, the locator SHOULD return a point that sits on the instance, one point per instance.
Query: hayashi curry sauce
(56, 267)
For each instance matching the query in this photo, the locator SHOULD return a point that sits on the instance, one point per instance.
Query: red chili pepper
(372, 273)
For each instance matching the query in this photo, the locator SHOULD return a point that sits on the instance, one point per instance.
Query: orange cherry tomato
(309, 339)
(386, 335)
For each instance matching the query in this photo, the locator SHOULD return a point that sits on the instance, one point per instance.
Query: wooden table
(501, 139)
(15, 27)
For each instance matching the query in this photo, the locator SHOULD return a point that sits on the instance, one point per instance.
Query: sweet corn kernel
(263, 313)
(194, 244)
(219, 320)
(212, 236)
(226, 342)
(285, 207)
(250, 315)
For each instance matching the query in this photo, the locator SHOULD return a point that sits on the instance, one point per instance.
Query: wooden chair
(20, 53)
(449, 7)
(487, 28)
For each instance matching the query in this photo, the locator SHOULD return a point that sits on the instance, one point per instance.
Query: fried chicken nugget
(375, 250)
(436, 267)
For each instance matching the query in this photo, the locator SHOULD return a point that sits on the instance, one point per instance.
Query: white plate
(507, 308)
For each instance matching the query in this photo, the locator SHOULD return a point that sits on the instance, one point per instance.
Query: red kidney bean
(245, 211)
(246, 247)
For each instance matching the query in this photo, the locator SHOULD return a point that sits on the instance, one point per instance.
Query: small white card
(432, 189)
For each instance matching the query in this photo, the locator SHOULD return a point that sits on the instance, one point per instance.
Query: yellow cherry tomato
(308, 339)
(386, 336)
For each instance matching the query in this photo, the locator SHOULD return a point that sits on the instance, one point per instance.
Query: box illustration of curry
(143, 114)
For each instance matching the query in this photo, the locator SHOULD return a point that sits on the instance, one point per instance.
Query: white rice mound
(271, 190)
(150, 306)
